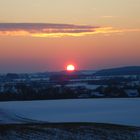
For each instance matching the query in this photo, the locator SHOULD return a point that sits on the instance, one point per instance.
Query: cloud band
(54, 30)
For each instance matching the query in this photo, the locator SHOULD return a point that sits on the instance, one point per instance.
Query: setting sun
(70, 67)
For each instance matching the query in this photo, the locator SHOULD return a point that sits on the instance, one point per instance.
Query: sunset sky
(46, 35)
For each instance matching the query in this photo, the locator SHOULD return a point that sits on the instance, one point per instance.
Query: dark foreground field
(68, 131)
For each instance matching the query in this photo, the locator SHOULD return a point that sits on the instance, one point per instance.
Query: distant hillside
(131, 70)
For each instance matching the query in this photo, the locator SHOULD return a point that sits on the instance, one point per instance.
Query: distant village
(67, 85)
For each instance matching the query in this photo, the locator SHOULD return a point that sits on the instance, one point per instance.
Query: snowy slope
(116, 111)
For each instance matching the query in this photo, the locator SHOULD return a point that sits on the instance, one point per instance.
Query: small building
(132, 92)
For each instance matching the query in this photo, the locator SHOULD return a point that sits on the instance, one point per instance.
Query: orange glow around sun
(70, 67)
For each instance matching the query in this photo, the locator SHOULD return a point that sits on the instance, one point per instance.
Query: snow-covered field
(115, 111)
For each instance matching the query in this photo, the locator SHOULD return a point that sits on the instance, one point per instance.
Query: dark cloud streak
(46, 27)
